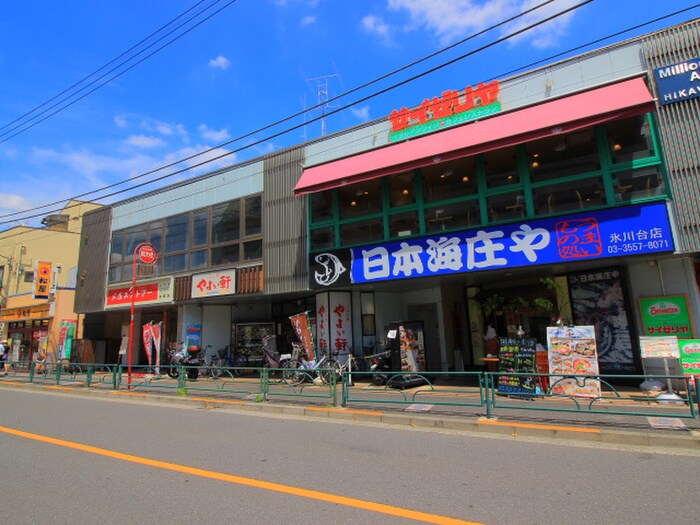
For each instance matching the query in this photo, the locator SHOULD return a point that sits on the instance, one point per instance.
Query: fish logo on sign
(332, 269)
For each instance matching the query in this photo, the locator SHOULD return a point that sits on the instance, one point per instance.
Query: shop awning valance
(560, 116)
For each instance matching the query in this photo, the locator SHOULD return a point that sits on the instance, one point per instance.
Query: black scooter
(180, 357)
(380, 366)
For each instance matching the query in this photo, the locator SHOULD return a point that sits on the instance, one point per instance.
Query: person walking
(4, 356)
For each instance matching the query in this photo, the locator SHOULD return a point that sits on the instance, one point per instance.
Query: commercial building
(566, 194)
(38, 276)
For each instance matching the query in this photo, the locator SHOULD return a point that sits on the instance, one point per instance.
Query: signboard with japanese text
(572, 352)
(632, 230)
(677, 82)
(599, 298)
(302, 328)
(449, 109)
(333, 321)
(194, 337)
(661, 347)
(214, 283)
(147, 292)
(42, 280)
(517, 355)
(148, 341)
(690, 357)
(666, 315)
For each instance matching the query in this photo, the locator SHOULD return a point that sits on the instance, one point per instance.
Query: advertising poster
(572, 351)
(334, 321)
(148, 342)
(194, 337)
(412, 347)
(598, 299)
(302, 329)
(42, 280)
(517, 355)
(65, 338)
(690, 358)
(666, 315)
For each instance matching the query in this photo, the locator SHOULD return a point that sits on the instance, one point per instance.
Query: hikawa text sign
(633, 230)
(450, 109)
(213, 284)
(678, 82)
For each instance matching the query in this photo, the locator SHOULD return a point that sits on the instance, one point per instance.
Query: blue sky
(253, 63)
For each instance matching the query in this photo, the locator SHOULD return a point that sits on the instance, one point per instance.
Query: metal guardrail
(440, 389)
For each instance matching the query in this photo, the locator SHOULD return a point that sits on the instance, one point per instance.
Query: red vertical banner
(302, 329)
(148, 342)
(155, 334)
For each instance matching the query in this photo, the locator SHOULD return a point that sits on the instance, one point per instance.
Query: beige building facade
(38, 277)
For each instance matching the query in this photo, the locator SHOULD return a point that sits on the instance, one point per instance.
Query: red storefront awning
(564, 115)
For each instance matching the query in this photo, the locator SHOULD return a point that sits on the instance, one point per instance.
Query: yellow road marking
(54, 387)
(346, 411)
(541, 427)
(249, 482)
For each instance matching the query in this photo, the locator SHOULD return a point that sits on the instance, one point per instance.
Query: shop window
(115, 274)
(226, 222)
(638, 184)
(225, 254)
(252, 250)
(402, 189)
(630, 139)
(321, 206)
(156, 236)
(403, 224)
(450, 180)
(506, 206)
(452, 216)
(116, 255)
(175, 263)
(199, 259)
(563, 156)
(131, 240)
(501, 167)
(569, 196)
(322, 238)
(177, 233)
(200, 227)
(361, 232)
(29, 277)
(253, 216)
(360, 199)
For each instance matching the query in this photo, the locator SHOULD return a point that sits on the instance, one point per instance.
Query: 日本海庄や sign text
(632, 230)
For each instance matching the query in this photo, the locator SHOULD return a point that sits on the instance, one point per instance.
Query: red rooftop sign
(450, 109)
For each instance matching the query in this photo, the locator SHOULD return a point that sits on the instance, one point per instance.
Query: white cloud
(451, 20)
(308, 20)
(120, 121)
(213, 135)
(220, 62)
(376, 26)
(13, 202)
(362, 113)
(143, 141)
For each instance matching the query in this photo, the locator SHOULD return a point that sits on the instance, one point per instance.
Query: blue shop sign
(633, 230)
(678, 82)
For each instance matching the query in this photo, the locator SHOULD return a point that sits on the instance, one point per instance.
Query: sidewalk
(581, 427)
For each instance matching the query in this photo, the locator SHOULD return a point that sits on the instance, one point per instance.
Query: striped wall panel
(679, 127)
(284, 225)
(92, 261)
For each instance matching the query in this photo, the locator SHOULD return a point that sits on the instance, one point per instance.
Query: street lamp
(144, 253)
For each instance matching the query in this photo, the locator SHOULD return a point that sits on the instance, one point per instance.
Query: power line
(8, 134)
(84, 79)
(283, 120)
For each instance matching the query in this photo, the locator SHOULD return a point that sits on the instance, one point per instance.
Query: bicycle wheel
(293, 376)
(332, 367)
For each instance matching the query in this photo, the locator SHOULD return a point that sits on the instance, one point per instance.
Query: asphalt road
(68, 459)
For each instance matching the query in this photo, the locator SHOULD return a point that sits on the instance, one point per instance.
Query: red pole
(131, 323)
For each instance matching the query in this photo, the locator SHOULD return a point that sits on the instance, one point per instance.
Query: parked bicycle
(300, 369)
(275, 362)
